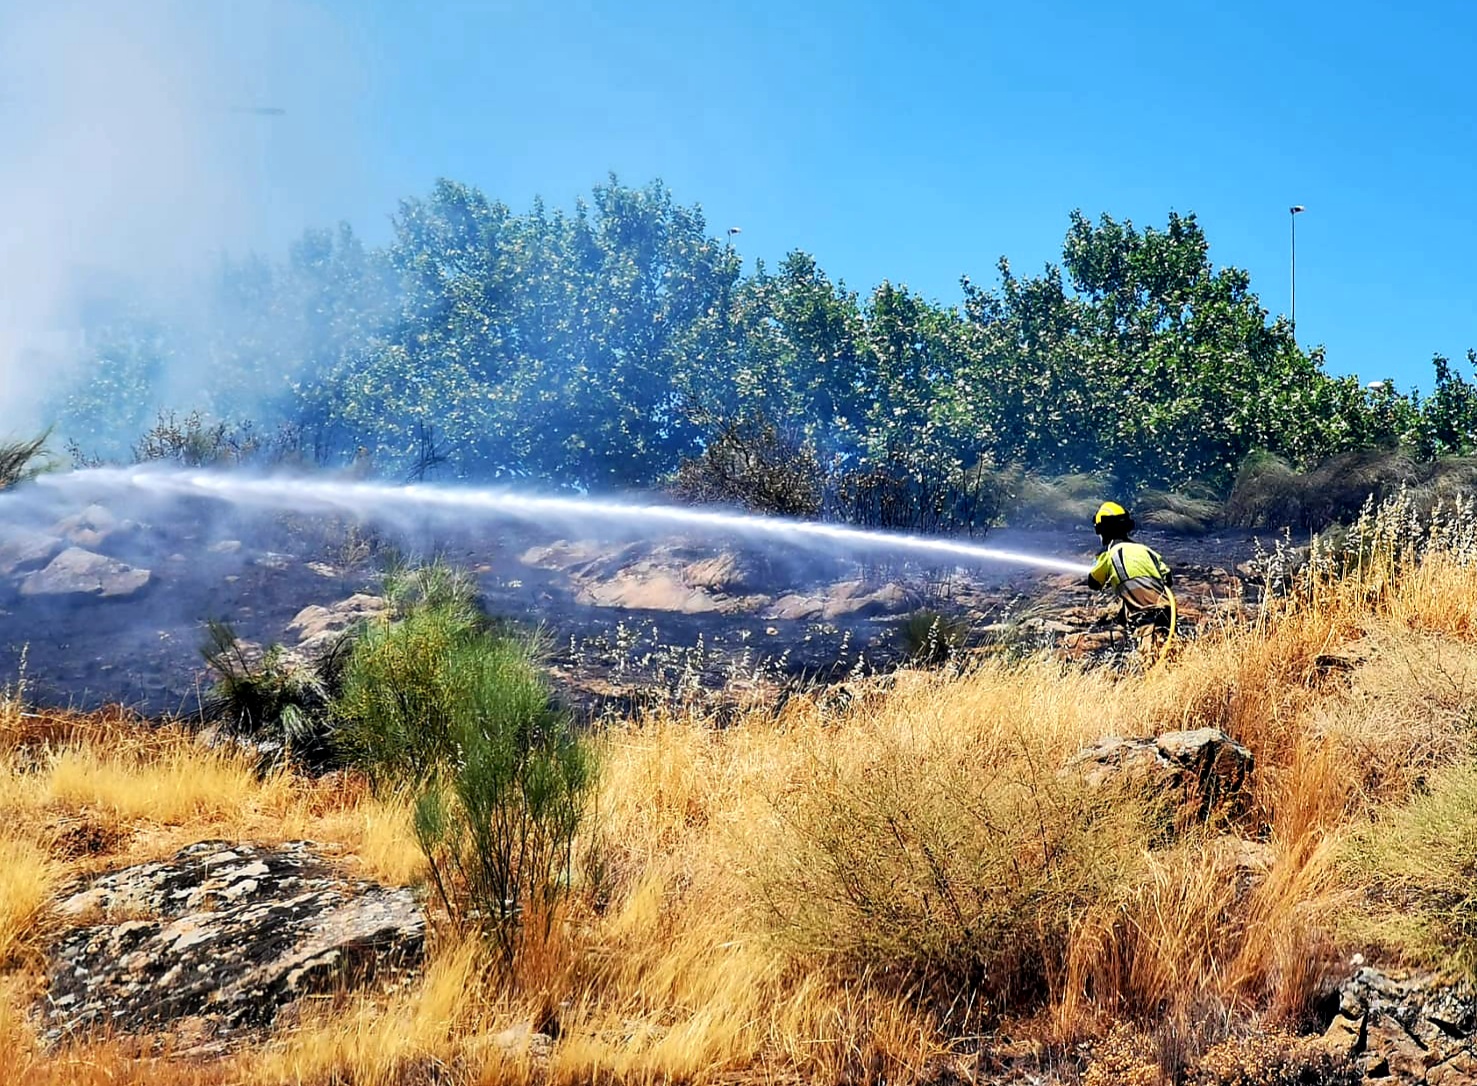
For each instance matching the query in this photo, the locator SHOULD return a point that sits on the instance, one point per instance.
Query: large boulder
(77, 572)
(1206, 766)
(1407, 1028)
(646, 577)
(853, 599)
(226, 936)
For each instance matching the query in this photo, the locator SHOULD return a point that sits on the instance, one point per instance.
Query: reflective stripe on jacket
(1135, 573)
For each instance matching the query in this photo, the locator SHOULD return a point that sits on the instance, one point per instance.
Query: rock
(642, 587)
(794, 606)
(844, 599)
(1079, 645)
(317, 626)
(562, 555)
(94, 528)
(95, 518)
(225, 546)
(1048, 626)
(890, 599)
(78, 572)
(523, 1040)
(1407, 1028)
(724, 573)
(1206, 765)
(225, 933)
(23, 550)
(650, 578)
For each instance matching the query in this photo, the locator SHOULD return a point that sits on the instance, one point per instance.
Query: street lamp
(1293, 213)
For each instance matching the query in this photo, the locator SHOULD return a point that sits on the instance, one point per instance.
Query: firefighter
(1139, 577)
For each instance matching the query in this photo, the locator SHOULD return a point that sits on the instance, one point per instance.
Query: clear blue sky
(919, 142)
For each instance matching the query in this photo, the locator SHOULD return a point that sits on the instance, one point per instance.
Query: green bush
(498, 829)
(436, 585)
(412, 686)
(436, 700)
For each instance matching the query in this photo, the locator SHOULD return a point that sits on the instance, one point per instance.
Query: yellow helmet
(1109, 509)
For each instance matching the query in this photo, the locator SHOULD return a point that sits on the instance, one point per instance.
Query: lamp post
(1293, 213)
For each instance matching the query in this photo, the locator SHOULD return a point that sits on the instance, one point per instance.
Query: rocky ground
(101, 605)
(221, 939)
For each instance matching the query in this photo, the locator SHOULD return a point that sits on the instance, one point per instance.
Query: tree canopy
(600, 347)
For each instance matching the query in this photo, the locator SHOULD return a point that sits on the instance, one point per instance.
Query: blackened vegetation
(274, 699)
(753, 466)
(757, 467)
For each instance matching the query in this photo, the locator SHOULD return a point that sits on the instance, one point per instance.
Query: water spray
(357, 497)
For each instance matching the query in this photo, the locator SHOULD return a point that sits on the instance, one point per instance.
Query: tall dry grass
(872, 893)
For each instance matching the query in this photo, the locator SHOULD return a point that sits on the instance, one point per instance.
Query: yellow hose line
(1173, 622)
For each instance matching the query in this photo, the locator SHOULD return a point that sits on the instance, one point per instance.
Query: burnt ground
(622, 619)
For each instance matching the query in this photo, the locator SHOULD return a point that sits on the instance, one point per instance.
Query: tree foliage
(607, 346)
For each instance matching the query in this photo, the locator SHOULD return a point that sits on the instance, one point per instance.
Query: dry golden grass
(28, 879)
(841, 896)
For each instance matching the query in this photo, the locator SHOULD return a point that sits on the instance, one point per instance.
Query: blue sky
(920, 142)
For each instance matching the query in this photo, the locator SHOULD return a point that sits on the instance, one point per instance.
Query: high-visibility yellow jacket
(1135, 573)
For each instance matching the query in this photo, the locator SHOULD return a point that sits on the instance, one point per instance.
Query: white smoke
(136, 151)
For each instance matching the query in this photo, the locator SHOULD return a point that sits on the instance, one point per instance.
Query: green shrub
(498, 829)
(1416, 866)
(435, 585)
(194, 442)
(436, 700)
(411, 686)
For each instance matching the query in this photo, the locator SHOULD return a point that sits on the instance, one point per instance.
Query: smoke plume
(142, 141)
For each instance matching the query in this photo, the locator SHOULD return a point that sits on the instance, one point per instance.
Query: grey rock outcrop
(78, 572)
(225, 936)
(1206, 766)
(1407, 1028)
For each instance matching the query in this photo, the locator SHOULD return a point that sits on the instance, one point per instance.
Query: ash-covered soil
(107, 604)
